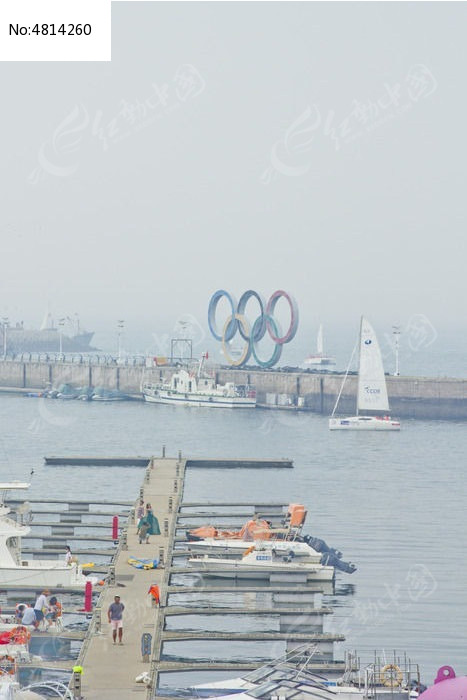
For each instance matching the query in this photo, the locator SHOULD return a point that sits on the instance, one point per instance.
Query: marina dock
(151, 631)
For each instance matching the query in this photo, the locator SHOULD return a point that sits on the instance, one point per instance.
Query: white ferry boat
(190, 389)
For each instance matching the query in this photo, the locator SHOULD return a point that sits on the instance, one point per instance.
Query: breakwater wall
(410, 397)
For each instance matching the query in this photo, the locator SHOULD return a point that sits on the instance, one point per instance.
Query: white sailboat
(372, 395)
(319, 358)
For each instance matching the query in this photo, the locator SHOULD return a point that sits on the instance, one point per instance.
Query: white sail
(372, 392)
(47, 323)
(319, 341)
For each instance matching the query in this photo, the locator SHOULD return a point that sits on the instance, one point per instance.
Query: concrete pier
(410, 397)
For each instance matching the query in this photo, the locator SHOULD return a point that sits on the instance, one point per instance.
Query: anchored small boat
(16, 572)
(372, 395)
(198, 389)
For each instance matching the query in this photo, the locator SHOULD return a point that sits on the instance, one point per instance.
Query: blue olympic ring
(265, 321)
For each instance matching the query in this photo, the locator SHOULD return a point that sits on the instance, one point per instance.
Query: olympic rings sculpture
(251, 334)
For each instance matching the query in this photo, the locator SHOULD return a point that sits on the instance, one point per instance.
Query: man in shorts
(41, 605)
(115, 615)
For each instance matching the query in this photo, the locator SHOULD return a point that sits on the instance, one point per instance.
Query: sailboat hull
(364, 423)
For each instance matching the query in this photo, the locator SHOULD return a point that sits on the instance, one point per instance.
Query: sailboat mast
(359, 361)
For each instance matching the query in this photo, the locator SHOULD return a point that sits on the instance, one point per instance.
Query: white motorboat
(197, 389)
(261, 564)
(377, 680)
(320, 359)
(236, 548)
(16, 572)
(372, 395)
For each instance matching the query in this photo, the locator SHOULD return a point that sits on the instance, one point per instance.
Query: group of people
(147, 523)
(45, 607)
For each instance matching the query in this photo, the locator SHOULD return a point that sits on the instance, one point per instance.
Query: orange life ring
(7, 665)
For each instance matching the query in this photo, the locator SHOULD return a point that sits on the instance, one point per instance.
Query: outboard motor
(320, 545)
(329, 559)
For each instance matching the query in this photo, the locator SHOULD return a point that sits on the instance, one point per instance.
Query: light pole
(5, 326)
(61, 323)
(396, 331)
(120, 325)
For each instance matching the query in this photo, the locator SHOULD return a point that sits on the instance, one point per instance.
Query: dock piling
(163, 451)
(115, 528)
(77, 683)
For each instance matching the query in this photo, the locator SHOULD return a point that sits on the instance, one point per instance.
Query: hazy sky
(314, 147)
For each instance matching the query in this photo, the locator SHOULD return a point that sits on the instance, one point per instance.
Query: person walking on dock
(139, 511)
(143, 532)
(151, 520)
(115, 615)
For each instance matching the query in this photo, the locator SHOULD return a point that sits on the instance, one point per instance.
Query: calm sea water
(394, 504)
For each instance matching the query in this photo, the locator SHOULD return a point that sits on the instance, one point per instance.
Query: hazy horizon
(312, 147)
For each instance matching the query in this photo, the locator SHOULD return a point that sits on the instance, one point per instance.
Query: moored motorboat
(233, 547)
(261, 564)
(198, 389)
(287, 540)
(289, 676)
(16, 572)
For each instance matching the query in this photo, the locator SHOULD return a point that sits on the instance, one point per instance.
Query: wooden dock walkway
(110, 671)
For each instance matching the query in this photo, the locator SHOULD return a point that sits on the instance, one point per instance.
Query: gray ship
(66, 336)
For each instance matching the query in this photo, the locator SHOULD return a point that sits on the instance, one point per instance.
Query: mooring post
(146, 640)
(171, 504)
(179, 455)
(112, 575)
(166, 527)
(88, 596)
(175, 485)
(163, 451)
(161, 556)
(124, 540)
(77, 671)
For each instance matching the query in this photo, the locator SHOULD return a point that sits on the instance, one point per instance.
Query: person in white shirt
(29, 618)
(40, 605)
(68, 556)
